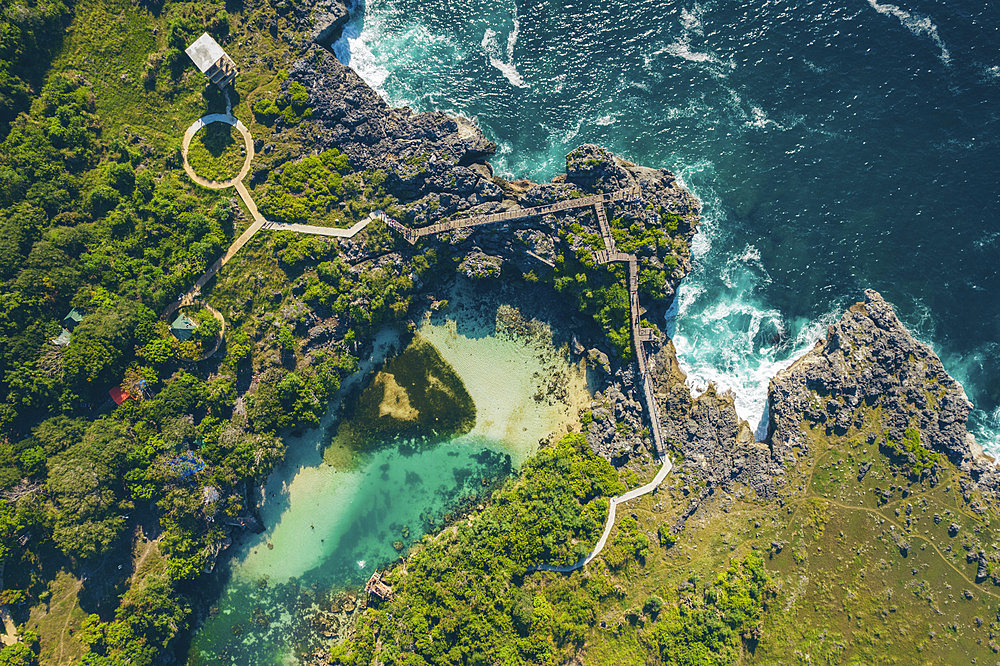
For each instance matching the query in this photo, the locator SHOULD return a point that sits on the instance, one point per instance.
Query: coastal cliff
(437, 166)
(870, 361)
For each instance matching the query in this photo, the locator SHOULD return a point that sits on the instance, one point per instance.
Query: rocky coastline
(438, 166)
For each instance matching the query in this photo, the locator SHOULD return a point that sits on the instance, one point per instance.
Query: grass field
(217, 152)
(861, 579)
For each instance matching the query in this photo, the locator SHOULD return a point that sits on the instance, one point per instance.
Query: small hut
(376, 587)
(69, 322)
(213, 62)
(71, 319)
(183, 327)
(63, 338)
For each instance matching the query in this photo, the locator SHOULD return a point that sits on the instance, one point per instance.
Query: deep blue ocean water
(836, 145)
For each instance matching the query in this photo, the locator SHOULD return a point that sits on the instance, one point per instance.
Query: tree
(18, 654)
(286, 339)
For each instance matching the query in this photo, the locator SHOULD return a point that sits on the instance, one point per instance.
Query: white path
(610, 522)
(609, 254)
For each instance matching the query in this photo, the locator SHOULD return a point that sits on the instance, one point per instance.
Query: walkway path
(610, 522)
(639, 335)
(609, 254)
(522, 213)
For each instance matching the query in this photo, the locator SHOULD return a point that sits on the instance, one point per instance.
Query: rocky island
(654, 529)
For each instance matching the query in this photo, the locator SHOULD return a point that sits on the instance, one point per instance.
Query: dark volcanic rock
(419, 151)
(713, 439)
(869, 359)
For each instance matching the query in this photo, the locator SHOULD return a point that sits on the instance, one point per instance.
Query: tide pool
(329, 527)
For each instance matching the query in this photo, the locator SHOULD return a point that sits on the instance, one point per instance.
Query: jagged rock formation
(714, 440)
(869, 359)
(421, 152)
(436, 166)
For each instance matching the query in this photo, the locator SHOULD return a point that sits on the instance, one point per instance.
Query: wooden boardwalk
(639, 334)
(626, 194)
(608, 255)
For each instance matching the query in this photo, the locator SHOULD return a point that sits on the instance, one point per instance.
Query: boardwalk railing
(626, 194)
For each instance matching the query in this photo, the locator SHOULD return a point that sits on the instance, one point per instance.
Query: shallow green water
(335, 536)
(330, 528)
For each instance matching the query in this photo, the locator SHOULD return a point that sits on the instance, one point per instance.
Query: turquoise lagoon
(328, 528)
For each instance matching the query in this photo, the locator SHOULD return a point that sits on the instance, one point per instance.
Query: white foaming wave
(682, 49)
(367, 65)
(756, 116)
(491, 46)
(991, 74)
(988, 239)
(609, 119)
(918, 25)
(376, 68)
(734, 366)
(986, 430)
(694, 109)
(691, 19)
(720, 329)
(692, 26)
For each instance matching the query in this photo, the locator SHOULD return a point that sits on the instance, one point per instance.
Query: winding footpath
(608, 255)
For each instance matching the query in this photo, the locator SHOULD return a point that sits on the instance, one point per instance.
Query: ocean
(836, 145)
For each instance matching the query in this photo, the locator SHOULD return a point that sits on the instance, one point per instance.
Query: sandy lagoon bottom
(329, 528)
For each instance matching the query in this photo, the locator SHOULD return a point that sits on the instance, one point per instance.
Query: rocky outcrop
(715, 442)
(616, 424)
(422, 153)
(322, 21)
(867, 360)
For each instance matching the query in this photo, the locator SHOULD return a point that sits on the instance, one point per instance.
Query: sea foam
(723, 333)
(919, 26)
(491, 47)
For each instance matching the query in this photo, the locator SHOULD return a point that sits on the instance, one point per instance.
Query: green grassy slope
(830, 571)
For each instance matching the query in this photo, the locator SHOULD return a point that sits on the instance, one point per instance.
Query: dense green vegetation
(919, 461)
(598, 291)
(291, 106)
(310, 188)
(323, 190)
(216, 152)
(459, 600)
(98, 216)
(712, 625)
(30, 30)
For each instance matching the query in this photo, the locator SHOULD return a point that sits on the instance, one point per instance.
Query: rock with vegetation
(713, 440)
(869, 361)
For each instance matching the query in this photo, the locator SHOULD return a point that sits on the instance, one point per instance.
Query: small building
(63, 338)
(71, 319)
(213, 62)
(376, 587)
(183, 327)
(69, 322)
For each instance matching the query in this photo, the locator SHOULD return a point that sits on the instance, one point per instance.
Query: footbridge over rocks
(609, 254)
(515, 214)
